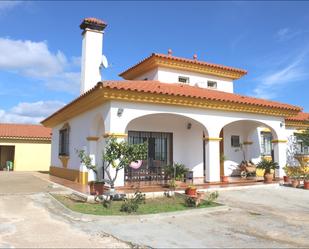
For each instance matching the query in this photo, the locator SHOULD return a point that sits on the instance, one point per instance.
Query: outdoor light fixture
(119, 112)
(281, 124)
(189, 125)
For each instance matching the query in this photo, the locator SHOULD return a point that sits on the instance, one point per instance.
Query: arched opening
(171, 138)
(245, 140)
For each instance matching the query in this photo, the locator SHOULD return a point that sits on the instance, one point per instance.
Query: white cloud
(26, 112)
(272, 82)
(286, 34)
(35, 60)
(8, 5)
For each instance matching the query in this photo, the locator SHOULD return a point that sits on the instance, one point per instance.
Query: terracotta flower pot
(96, 188)
(295, 183)
(268, 178)
(286, 179)
(306, 184)
(224, 179)
(190, 191)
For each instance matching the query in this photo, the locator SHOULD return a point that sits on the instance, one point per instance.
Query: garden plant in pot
(176, 172)
(191, 190)
(96, 187)
(287, 171)
(268, 167)
(295, 176)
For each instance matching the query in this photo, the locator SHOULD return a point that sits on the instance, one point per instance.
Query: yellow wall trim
(247, 143)
(213, 138)
(279, 141)
(116, 135)
(92, 138)
(69, 174)
(99, 95)
(64, 160)
(154, 62)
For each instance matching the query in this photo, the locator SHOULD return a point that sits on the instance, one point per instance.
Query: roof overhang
(103, 93)
(157, 60)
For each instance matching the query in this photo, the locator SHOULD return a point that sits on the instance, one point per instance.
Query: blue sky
(40, 47)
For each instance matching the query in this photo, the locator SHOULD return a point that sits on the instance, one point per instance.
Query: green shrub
(176, 171)
(190, 202)
(131, 205)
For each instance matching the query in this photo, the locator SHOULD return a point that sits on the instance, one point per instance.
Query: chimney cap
(93, 23)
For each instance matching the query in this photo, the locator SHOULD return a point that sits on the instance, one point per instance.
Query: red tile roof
(193, 92)
(25, 131)
(302, 116)
(176, 89)
(192, 61)
(92, 21)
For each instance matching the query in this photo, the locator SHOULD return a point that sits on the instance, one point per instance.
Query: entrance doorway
(160, 153)
(7, 157)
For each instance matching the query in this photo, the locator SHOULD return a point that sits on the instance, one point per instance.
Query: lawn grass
(152, 206)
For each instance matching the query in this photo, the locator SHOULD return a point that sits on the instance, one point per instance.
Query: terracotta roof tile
(193, 92)
(302, 116)
(92, 21)
(24, 131)
(192, 61)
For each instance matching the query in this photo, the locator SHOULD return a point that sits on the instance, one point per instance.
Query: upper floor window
(212, 84)
(64, 140)
(183, 79)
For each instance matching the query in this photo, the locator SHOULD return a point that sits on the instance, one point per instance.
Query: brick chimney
(92, 45)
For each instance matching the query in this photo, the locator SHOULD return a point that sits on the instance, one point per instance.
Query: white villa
(185, 109)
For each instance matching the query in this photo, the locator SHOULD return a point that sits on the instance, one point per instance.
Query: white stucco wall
(167, 75)
(187, 143)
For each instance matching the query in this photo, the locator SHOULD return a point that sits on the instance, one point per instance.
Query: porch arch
(251, 134)
(187, 145)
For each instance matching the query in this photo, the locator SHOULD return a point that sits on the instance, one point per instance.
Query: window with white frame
(212, 84)
(266, 145)
(64, 135)
(301, 148)
(183, 79)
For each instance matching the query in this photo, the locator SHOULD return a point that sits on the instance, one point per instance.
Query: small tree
(119, 155)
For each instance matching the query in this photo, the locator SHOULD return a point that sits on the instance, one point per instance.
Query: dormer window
(212, 84)
(183, 79)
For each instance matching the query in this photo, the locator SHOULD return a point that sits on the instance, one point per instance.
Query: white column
(212, 159)
(280, 148)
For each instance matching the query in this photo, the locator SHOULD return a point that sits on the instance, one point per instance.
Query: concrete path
(29, 219)
(261, 217)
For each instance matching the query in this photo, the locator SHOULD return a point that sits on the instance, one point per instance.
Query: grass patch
(152, 206)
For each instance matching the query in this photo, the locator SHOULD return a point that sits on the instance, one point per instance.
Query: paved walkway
(29, 218)
(264, 216)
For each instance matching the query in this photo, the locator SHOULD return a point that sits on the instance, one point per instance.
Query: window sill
(64, 160)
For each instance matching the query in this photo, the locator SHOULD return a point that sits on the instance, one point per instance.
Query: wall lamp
(189, 125)
(119, 112)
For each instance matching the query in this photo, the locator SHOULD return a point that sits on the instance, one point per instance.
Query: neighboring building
(26, 146)
(184, 108)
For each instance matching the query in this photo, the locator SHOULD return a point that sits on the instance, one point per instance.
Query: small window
(183, 79)
(235, 141)
(212, 84)
(64, 140)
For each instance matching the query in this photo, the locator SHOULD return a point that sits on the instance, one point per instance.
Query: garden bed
(151, 206)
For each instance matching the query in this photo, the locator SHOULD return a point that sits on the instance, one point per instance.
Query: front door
(159, 155)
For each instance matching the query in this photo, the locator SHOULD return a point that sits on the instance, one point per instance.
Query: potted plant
(287, 171)
(267, 166)
(295, 180)
(191, 190)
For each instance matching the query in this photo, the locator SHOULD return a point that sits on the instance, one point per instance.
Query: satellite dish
(104, 62)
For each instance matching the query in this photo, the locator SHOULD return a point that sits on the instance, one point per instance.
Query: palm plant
(267, 166)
